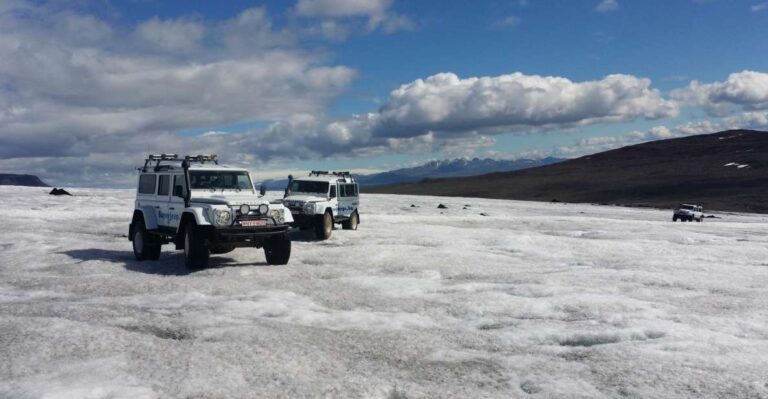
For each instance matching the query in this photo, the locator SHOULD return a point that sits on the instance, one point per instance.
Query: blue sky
(284, 86)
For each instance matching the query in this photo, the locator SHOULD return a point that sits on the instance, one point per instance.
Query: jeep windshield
(220, 180)
(687, 207)
(314, 187)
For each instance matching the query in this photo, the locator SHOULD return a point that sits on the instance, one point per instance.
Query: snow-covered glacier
(530, 300)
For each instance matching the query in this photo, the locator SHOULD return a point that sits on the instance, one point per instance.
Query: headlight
(309, 207)
(263, 209)
(222, 217)
(245, 209)
(278, 215)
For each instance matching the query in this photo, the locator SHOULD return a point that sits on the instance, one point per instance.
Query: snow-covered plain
(534, 300)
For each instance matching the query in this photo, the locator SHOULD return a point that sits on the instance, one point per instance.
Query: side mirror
(263, 189)
(178, 191)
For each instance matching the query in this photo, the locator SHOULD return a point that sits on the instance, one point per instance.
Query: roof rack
(345, 175)
(158, 158)
(325, 172)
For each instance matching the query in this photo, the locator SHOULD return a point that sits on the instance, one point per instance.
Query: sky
(89, 87)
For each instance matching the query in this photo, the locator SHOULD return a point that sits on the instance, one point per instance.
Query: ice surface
(535, 300)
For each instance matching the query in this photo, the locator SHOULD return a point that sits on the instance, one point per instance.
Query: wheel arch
(149, 220)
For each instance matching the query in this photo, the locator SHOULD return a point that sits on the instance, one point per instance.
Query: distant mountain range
(438, 169)
(726, 171)
(7, 179)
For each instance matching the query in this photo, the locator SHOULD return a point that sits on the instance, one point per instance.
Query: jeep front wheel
(324, 226)
(196, 252)
(352, 222)
(144, 247)
(277, 249)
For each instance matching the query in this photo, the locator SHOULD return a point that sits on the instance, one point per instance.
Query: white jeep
(204, 208)
(322, 199)
(688, 212)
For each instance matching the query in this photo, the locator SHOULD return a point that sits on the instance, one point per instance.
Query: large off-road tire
(352, 222)
(277, 249)
(324, 226)
(674, 218)
(196, 252)
(222, 249)
(144, 246)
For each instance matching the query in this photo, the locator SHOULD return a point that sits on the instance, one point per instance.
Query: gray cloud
(72, 85)
(377, 12)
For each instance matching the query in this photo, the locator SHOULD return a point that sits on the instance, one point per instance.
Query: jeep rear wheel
(196, 251)
(277, 249)
(324, 226)
(144, 247)
(352, 222)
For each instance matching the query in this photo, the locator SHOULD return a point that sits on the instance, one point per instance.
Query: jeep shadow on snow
(172, 265)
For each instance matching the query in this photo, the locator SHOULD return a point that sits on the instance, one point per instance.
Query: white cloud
(377, 12)
(759, 7)
(517, 102)
(747, 90)
(607, 6)
(748, 120)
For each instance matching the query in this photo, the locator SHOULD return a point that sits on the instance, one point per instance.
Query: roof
(207, 166)
(330, 179)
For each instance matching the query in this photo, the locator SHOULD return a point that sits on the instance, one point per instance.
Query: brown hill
(726, 171)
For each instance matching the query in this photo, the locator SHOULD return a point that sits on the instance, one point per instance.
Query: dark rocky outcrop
(59, 191)
(7, 179)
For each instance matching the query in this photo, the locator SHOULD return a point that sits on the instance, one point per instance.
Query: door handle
(157, 207)
(172, 209)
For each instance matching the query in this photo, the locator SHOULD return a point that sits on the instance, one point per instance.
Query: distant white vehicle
(204, 208)
(688, 213)
(322, 199)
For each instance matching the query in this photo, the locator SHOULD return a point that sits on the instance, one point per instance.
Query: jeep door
(347, 199)
(176, 200)
(163, 196)
(147, 200)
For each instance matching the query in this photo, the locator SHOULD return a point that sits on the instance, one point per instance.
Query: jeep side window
(147, 184)
(244, 182)
(333, 192)
(357, 189)
(164, 185)
(342, 190)
(179, 186)
(349, 190)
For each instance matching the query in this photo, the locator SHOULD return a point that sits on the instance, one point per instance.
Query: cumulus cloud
(517, 102)
(759, 7)
(747, 90)
(607, 6)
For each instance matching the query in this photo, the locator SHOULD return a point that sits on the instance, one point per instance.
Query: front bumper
(245, 236)
(303, 220)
